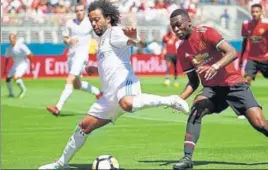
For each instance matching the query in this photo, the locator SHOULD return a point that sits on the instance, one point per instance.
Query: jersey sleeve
(185, 61)
(118, 38)
(25, 49)
(213, 37)
(244, 29)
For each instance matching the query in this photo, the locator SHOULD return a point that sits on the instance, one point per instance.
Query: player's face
(256, 13)
(12, 39)
(181, 26)
(80, 12)
(98, 22)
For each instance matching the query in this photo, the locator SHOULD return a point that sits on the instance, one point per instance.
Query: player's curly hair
(108, 10)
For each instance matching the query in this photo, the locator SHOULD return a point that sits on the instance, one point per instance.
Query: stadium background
(149, 139)
(39, 24)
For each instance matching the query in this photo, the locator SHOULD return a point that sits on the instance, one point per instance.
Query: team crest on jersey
(200, 57)
(256, 39)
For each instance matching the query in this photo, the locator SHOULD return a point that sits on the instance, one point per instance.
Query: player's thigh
(216, 102)
(240, 98)
(263, 67)
(76, 66)
(105, 109)
(11, 72)
(251, 68)
(174, 60)
(130, 87)
(21, 69)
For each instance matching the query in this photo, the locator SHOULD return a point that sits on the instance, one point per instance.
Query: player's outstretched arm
(191, 86)
(6, 64)
(244, 44)
(134, 39)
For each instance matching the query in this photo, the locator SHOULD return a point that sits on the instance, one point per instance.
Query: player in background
(77, 37)
(205, 54)
(121, 87)
(19, 52)
(169, 51)
(255, 44)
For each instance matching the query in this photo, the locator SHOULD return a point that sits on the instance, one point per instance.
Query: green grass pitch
(148, 139)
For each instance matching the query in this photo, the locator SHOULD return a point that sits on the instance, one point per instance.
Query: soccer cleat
(167, 82)
(176, 84)
(54, 165)
(184, 163)
(241, 117)
(11, 95)
(98, 96)
(22, 94)
(54, 110)
(179, 104)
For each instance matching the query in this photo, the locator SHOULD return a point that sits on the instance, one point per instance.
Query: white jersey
(18, 52)
(113, 57)
(80, 30)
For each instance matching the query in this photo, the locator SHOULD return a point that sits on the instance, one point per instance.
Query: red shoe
(98, 96)
(54, 110)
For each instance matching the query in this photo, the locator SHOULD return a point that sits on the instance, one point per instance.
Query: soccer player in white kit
(19, 52)
(77, 37)
(121, 88)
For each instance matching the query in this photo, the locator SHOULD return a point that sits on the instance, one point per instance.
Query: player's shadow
(198, 163)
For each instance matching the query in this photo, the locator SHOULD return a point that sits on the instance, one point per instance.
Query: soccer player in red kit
(255, 44)
(205, 54)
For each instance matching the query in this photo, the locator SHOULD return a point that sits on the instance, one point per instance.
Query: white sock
(88, 87)
(65, 95)
(21, 84)
(148, 100)
(76, 141)
(9, 87)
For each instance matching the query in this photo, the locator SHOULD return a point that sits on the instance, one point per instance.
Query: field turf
(148, 139)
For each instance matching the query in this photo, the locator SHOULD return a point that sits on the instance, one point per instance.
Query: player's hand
(91, 70)
(266, 55)
(73, 41)
(31, 68)
(210, 73)
(130, 32)
(202, 69)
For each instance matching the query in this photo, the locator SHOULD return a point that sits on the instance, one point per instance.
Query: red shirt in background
(170, 40)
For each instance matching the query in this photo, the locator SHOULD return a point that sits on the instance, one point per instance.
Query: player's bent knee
(8, 79)
(200, 108)
(126, 103)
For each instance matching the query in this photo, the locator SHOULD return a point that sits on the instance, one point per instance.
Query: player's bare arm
(30, 56)
(70, 41)
(244, 44)
(6, 64)
(191, 86)
(229, 55)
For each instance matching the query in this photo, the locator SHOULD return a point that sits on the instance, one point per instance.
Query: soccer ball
(105, 162)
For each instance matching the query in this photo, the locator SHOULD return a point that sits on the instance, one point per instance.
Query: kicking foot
(176, 84)
(22, 94)
(52, 166)
(184, 163)
(54, 110)
(179, 104)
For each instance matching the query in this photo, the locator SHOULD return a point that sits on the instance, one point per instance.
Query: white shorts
(76, 63)
(108, 109)
(18, 70)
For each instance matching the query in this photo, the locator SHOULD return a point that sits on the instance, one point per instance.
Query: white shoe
(52, 166)
(167, 82)
(22, 94)
(241, 117)
(179, 104)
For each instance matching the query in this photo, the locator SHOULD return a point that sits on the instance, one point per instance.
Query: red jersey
(170, 40)
(201, 50)
(256, 33)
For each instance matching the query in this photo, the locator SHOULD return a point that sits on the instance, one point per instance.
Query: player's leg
(9, 81)
(168, 64)
(131, 99)
(174, 62)
(263, 66)
(86, 86)
(77, 140)
(20, 71)
(251, 70)
(242, 99)
(205, 103)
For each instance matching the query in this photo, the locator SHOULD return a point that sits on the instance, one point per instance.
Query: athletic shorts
(76, 63)
(109, 109)
(171, 58)
(239, 97)
(253, 67)
(18, 70)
